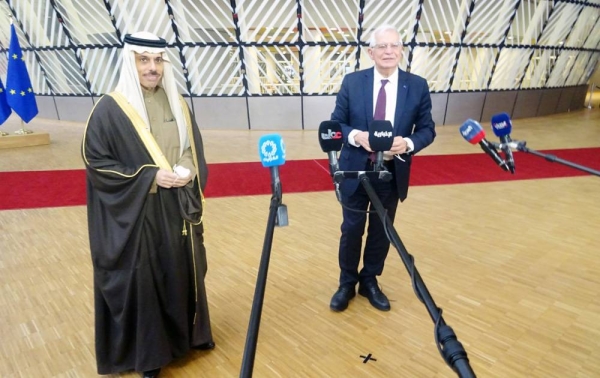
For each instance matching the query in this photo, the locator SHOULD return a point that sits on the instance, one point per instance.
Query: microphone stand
(451, 349)
(521, 146)
(277, 217)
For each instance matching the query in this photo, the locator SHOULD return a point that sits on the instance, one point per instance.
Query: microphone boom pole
(451, 349)
(330, 139)
(272, 150)
(259, 291)
(553, 159)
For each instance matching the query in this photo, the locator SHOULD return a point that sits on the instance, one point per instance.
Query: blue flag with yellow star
(19, 92)
(4, 108)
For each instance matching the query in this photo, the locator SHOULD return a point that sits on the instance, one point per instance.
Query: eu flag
(19, 92)
(4, 108)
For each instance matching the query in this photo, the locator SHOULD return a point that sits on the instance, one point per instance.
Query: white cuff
(410, 145)
(351, 137)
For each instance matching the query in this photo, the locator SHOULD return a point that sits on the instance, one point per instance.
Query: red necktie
(379, 109)
(380, 104)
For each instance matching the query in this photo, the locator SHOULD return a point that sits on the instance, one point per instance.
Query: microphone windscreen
(381, 135)
(472, 131)
(330, 136)
(501, 124)
(271, 150)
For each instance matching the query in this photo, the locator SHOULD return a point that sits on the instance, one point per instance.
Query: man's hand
(399, 146)
(362, 139)
(167, 179)
(182, 181)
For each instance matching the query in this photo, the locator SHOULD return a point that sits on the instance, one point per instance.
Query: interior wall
(307, 112)
(595, 78)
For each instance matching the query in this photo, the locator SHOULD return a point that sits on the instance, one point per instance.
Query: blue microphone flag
(472, 131)
(501, 124)
(271, 150)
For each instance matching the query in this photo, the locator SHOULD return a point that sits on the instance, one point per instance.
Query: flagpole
(11, 21)
(2, 133)
(23, 130)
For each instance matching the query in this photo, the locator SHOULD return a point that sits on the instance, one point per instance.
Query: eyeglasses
(384, 46)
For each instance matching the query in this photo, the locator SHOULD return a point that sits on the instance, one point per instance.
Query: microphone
(473, 133)
(381, 138)
(501, 126)
(271, 151)
(331, 140)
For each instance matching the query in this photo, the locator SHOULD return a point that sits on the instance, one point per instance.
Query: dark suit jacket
(354, 110)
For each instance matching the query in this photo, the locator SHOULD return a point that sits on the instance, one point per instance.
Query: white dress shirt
(391, 96)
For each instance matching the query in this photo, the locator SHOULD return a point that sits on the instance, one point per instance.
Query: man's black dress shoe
(376, 297)
(339, 301)
(206, 346)
(152, 373)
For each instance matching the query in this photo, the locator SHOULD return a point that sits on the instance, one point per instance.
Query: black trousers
(353, 228)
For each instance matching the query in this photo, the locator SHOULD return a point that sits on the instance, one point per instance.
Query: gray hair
(379, 30)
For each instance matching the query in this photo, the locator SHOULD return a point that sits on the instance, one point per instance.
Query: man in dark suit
(407, 105)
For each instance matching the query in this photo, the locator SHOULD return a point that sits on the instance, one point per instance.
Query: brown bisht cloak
(147, 249)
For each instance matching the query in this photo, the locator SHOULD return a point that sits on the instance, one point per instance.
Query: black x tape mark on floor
(368, 358)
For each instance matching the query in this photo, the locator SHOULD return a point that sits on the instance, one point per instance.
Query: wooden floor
(514, 265)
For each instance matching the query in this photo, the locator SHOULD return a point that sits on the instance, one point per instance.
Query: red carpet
(33, 189)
